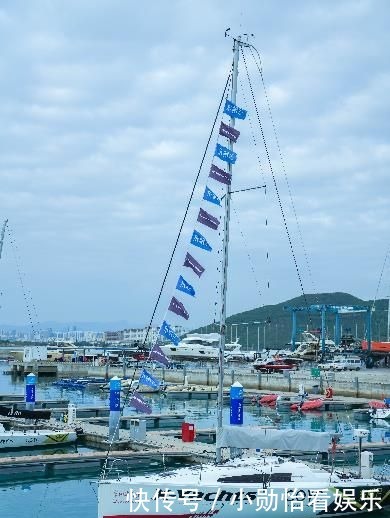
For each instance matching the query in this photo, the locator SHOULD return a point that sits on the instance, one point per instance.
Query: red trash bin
(187, 432)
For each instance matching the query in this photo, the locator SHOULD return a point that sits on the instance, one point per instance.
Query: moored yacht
(198, 346)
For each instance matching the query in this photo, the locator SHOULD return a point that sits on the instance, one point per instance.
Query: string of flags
(198, 240)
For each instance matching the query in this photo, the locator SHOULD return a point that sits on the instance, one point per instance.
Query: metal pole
(264, 333)
(323, 310)
(388, 320)
(294, 329)
(368, 330)
(337, 330)
(258, 338)
(236, 54)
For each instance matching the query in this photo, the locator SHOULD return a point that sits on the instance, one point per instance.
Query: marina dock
(86, 463)
(158, 447)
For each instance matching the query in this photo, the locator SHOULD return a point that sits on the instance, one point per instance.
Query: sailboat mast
(233, 95)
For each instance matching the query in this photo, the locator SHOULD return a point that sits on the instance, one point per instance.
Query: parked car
(352, 363)
(277, 365)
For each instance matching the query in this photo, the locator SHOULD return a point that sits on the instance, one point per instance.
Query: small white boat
(32, 438)
(380, 413)
(127, 384)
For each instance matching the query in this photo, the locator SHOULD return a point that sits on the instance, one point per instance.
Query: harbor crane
(337, 311)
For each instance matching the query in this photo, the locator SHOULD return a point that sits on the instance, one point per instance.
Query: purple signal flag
(227, 131)
(177, 307)
(192, 263)
(157, 355)
(138, 402)
(220, 175)
(207, 219)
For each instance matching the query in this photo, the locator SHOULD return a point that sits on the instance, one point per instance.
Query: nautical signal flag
(211, 197)
(200, 241)
(185, 287)
(234, 111)
(220, 175)
(207, 219)
(225, 154)
(192, 263)
(138, 402)
(147, 379)
(229, 132)
(177, 307)
(157, 355)
(167, 332)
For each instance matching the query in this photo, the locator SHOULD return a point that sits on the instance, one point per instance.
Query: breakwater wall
(368, 384)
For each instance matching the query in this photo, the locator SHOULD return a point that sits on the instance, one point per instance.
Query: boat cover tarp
(24, 414)
(256, 437)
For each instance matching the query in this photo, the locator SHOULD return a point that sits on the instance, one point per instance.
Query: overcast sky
(106, 107)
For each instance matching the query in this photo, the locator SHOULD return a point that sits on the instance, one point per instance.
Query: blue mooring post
(115, 408)
(236, 411)
(30, 391)
(236, 403)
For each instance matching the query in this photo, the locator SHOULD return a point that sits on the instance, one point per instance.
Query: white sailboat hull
(244, 486)
(31, 439)
(117, 501)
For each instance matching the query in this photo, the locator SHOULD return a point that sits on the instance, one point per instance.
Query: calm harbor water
(77, 498)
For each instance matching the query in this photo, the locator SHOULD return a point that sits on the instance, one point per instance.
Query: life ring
(328, 393)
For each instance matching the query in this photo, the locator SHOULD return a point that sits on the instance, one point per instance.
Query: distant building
(137, 335)
(113, 337)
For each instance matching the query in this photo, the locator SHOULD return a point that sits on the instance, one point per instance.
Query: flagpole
(222, 340)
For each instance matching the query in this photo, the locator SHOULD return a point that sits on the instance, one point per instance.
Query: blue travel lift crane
(337, 311)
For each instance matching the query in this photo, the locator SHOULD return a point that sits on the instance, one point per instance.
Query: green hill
(274, 323)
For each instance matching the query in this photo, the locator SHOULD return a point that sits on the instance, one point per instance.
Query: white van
(351, 363)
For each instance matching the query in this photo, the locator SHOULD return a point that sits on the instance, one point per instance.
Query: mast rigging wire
(380, 279)
(188, 206)
(282, 162)
(130, 388)
(26, 295)
(275, 183)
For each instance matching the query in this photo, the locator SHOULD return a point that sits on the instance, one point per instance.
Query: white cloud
(105, 116)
